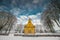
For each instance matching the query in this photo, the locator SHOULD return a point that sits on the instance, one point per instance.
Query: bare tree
(51, 13)
(6, 21)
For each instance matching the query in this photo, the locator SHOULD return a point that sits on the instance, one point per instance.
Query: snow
(27, 38)
(12, 37)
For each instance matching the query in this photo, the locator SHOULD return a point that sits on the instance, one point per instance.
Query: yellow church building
(29, 28)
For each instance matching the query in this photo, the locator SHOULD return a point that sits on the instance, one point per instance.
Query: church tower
(29, 28)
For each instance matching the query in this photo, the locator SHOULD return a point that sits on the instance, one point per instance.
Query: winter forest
(43, 14)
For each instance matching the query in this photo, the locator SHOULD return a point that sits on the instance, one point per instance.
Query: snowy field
(27, 38)
(12, 37)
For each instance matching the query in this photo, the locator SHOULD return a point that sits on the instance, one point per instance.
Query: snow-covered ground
(12, 37)
(27, 38)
